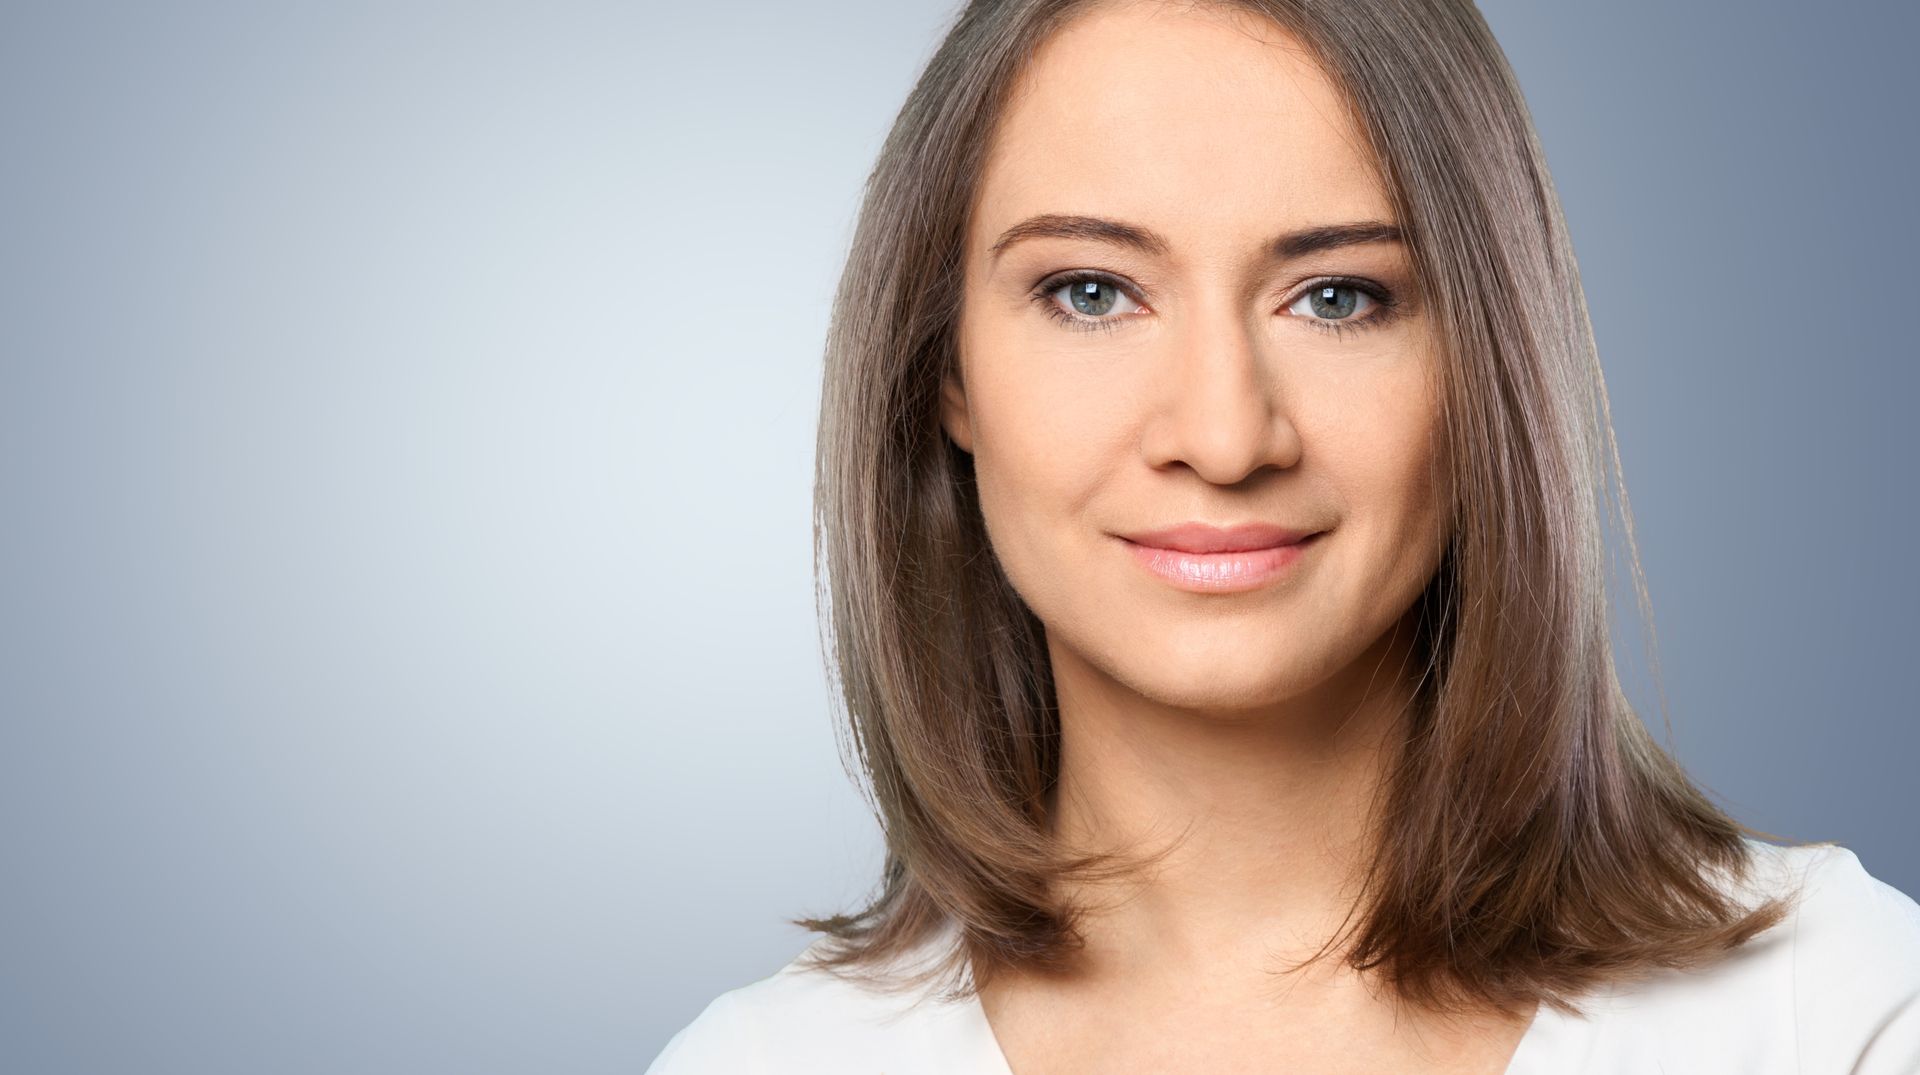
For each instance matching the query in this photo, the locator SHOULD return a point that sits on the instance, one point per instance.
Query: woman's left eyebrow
(1283, 247)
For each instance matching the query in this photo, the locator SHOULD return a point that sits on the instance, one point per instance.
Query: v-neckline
(1543, 1049)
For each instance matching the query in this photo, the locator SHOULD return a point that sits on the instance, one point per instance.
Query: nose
(1220, 408)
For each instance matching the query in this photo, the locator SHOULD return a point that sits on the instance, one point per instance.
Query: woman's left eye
(1332, 302)
(1330, 305)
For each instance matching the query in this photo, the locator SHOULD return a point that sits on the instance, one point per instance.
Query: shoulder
(1856, 945)
(711, 1043)
(1833, 987)
(802, 1019)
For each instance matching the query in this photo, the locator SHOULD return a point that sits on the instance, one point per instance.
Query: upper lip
(1200, 537)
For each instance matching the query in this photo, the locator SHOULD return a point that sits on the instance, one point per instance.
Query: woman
(1210, 482)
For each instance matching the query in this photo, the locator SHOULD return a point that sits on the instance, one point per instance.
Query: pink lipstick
(1207, 559)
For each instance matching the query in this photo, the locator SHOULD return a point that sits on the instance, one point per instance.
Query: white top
(1834, 989)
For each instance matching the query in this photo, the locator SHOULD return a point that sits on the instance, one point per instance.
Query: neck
(1268, 810)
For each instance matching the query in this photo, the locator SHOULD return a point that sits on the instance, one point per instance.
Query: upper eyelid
(1053, 282)
(1058, 280)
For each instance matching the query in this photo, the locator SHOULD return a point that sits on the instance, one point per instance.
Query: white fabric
(1832, 990)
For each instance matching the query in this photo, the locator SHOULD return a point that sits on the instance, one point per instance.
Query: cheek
(1376, 428)
(1042, 422)
(1385, 460)
(1390, 474)
(1044, 448)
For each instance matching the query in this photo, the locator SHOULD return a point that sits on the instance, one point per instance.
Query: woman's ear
(953, 410)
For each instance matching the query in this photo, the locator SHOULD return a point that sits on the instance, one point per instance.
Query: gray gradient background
(406, 427)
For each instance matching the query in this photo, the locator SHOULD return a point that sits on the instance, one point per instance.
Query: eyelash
(1384, 302)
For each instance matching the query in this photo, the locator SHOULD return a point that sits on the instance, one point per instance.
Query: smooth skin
(1255, 723)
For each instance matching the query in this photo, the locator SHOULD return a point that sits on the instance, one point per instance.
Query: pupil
(1324, 305)
(1088, 298)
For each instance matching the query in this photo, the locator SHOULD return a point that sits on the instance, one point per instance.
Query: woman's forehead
(1182, 118)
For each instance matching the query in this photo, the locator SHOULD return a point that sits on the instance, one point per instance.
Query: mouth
(1196, 537)
(1228, 571)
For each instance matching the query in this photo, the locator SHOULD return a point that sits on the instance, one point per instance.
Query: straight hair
(1533, 841)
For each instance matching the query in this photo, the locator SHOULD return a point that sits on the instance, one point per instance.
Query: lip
(1199, 537)
(1233, 570)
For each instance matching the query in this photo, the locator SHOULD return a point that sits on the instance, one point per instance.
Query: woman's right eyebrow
(1283, 247)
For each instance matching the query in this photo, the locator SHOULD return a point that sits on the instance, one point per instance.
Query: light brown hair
(1534, 840)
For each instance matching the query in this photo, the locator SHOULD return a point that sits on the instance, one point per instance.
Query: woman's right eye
(1084, 300)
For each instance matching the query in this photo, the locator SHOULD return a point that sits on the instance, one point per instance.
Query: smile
(1221, 572)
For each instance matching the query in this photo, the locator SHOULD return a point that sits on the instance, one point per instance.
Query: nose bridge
(1221, 415)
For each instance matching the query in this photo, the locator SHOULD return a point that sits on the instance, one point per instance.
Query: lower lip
(1221, 572)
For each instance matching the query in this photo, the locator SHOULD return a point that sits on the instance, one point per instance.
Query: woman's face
(1175, 357)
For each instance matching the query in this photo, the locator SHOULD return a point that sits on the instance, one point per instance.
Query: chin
(1225, 679)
